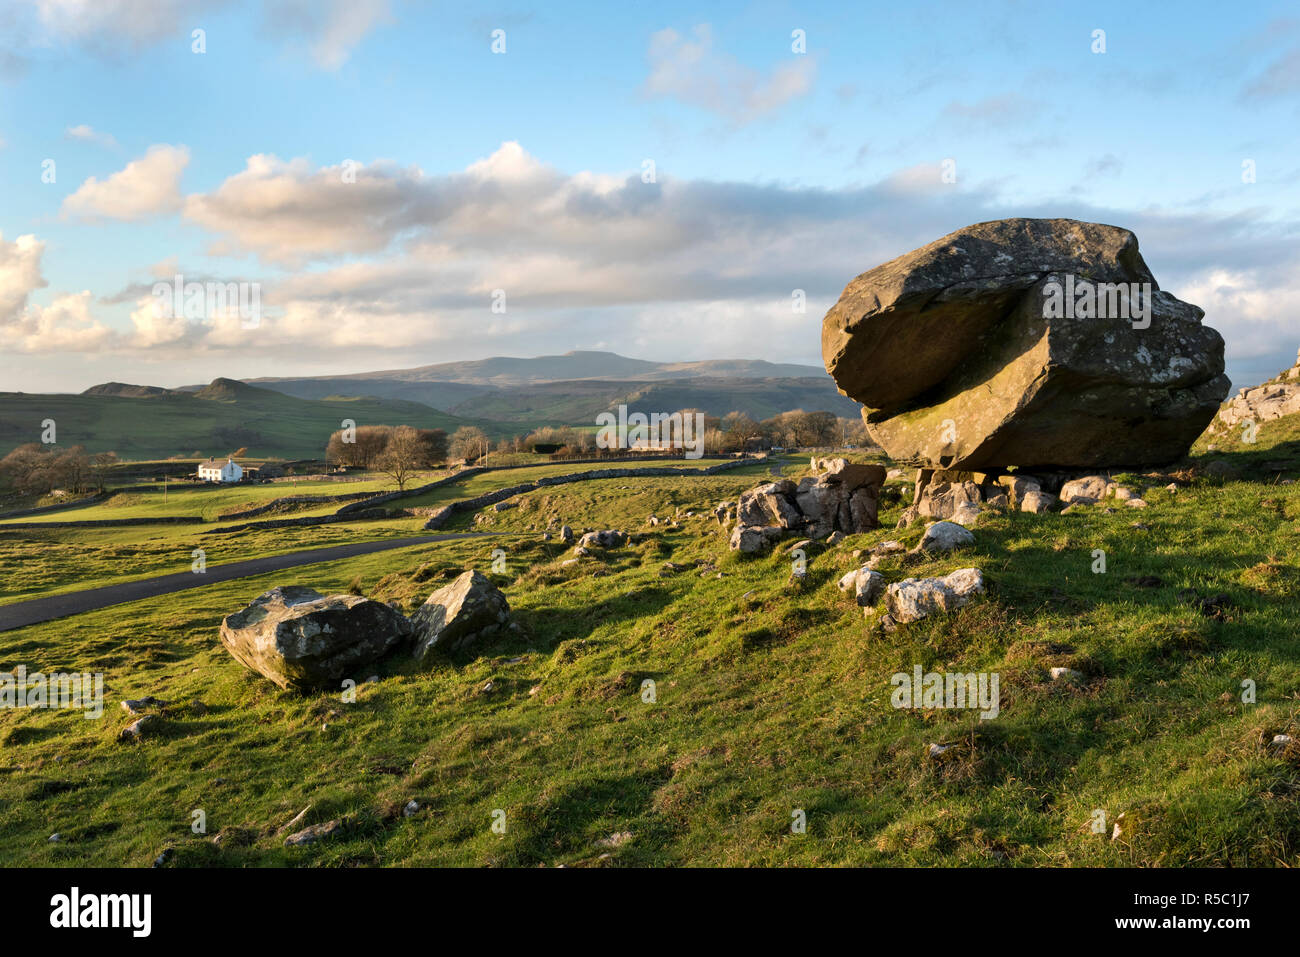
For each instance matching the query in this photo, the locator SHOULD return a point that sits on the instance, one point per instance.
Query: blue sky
(522, 171)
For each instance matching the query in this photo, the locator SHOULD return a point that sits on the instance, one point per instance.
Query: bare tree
(406, 453)
(469, 443)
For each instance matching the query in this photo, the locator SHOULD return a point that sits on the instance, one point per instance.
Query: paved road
(22, 613)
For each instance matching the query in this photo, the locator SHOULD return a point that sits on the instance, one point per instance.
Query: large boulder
(458, 615)
(961, 360)
(301, 639)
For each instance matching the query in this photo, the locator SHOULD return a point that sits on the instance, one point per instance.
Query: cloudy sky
(653, 179)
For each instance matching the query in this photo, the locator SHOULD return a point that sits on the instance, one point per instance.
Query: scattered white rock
(938, 749)
(615, 840)
(944, 537)
(916, 598)
(314, 833)
(138, 706)
(137, 729)
(1066, 674)
(1136, 503)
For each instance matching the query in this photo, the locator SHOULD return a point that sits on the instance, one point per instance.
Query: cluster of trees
(402, 451)
(35, 469)
(733, 432)
(363, 446)
(398, 451)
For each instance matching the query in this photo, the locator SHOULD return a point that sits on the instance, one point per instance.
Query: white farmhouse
(215, 470)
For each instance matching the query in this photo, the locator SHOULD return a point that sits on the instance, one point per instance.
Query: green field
(216, 421)
(771, 698)
(47, 561)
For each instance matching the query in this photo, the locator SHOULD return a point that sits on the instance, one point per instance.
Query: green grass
(771, 697)
(209, 503)
(43, 562)
(263, 421)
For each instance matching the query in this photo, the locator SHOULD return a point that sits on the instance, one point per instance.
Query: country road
(23, 613)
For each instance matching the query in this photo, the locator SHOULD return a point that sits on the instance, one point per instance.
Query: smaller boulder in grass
(944, 537)
(301, 639)
(867, 585)
(916, 598)
(607, 538)
(753, 539)
(458, 615)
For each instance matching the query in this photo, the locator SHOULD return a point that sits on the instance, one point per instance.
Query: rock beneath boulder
(967, 515)
(916, 598)
(1086, 491)
(458, 615)
(1037, 502)
(962, 360)
(301, 639)
(944, 537)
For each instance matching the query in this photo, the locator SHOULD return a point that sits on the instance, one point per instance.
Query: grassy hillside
(224, 416)
(579, 402)
(44, 561)
(771, 698)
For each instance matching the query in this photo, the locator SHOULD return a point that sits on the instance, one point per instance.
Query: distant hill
(578, 403)
(573, 388)
(141, 422)
(504, 371)
(128, 391)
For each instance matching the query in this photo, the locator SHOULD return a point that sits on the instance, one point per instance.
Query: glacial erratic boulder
(458, 615)
(301, 639)
(1025, 342)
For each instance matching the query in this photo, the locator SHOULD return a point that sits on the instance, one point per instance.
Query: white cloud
(87, 134)
(20, 275)
(399, 267)
(287, 212)
(103, 23)
(332, 28)
(691, 71)
(148, 186)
